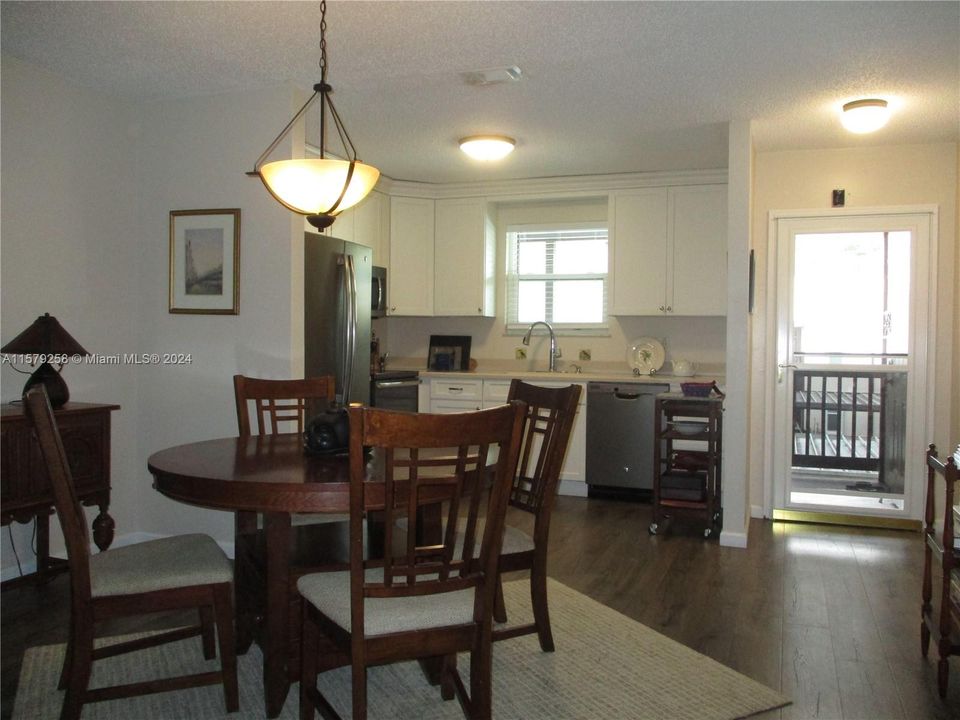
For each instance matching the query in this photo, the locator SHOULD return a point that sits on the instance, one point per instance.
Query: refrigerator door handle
(350, 347)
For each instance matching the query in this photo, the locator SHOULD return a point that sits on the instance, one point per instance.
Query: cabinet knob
(669, 308)
(393, 309)
(479, 311)
(662, 309)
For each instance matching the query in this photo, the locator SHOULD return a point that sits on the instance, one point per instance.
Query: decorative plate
(645, 355)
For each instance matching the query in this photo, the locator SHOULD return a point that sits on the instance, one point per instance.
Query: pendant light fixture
(319, 188)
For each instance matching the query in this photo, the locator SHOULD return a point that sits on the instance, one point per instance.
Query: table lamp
(47, 339)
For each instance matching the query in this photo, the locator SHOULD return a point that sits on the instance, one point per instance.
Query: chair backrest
(72, 519)
(550, 415)
(280, 401)
(429, 459)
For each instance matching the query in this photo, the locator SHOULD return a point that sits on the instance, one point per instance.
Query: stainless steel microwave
(378, 292)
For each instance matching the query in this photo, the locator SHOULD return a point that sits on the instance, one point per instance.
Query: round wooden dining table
(270, 475)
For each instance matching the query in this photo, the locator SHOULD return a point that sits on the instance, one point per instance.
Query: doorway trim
(923, 309)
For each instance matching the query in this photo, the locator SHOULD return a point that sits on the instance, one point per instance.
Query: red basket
(699, 389)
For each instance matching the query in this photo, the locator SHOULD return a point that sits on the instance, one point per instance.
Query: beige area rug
(605, 666)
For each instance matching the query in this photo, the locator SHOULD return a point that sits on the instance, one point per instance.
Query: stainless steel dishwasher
(620, 422)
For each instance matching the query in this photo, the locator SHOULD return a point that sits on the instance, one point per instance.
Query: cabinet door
(638, 251)
(699, 250)
(369, 228)
(411, 256)
(464, 258)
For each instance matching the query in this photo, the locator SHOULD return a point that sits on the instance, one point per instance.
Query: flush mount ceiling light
(864, 116)
(320, 188)
(487, 147)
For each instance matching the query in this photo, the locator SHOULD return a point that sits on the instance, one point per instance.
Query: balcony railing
(849, 419)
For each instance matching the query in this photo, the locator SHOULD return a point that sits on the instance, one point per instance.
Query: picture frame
(449, 353)
(205, 262)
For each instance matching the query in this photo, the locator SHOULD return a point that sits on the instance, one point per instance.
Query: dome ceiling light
(487, 147)
(865, 116)
(319, 188)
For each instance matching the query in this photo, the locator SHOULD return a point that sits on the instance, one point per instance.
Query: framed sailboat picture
(205, 261)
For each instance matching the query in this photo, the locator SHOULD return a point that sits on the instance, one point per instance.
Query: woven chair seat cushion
(173, 562)
(514, 540)
(330, 593)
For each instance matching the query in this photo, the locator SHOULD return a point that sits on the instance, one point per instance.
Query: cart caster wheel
(706, 533)
(653, 528)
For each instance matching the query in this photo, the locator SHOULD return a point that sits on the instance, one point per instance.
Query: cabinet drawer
(467, 389)
(444, 407)
(496, 391)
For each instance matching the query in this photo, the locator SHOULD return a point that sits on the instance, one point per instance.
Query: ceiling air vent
(493, 76)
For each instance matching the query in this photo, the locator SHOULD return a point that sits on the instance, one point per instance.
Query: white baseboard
(572, 488)
(30, 566)
(733, 539)
(756, 511)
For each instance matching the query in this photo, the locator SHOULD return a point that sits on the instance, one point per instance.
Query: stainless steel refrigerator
(336, 332)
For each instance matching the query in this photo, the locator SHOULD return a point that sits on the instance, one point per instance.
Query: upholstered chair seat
(171, 562)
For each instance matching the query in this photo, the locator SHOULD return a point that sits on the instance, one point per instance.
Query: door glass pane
(851, 296)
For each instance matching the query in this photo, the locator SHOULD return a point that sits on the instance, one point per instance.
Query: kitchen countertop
(500, 370)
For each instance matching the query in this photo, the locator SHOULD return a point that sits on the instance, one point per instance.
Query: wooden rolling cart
(686, 479)
(943, 546)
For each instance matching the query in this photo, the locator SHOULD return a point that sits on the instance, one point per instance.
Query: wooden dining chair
(188, 571)
(280, 405)
(423, 600)
(549, 419)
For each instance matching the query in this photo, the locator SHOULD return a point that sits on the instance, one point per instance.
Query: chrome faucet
(554, 350)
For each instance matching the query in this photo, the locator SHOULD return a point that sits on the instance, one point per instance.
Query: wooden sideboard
(24, 488)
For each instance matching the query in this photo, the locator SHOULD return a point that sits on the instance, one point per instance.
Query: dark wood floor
(827, 615)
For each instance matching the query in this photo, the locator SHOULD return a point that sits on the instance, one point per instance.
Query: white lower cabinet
(451, 396)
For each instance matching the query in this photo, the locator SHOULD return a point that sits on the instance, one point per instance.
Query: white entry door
(852, 358)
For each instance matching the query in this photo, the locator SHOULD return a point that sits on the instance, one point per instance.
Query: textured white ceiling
(607, 86)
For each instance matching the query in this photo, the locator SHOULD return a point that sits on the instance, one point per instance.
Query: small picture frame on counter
(449, 353)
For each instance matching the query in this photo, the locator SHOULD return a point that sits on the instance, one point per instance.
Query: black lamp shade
(47, 337)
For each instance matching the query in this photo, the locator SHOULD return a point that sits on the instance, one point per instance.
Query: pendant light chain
(323, 41)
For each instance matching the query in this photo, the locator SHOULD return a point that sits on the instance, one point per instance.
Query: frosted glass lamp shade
(311, 186)
(865, 116)
(487, 147)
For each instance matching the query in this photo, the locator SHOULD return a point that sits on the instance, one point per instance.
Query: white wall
(69, 248)
(872, 176)
(88, 186)
(193, 153)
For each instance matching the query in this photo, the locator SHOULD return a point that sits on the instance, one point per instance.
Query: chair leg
(309, 647)
(448, 689)
(499, 606)
(67, 660)
(81, 662)
(223, 612)
(541, 614)
(207, 634)
(924, 638)
(359, 678)
(481, 670)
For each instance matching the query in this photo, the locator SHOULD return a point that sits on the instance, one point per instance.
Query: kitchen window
(557, 273)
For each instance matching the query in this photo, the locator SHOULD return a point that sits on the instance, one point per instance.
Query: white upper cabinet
(638, 251)
(464, 259)
(371, 225)
(668, 251)
(410, 281)
(699, 232)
